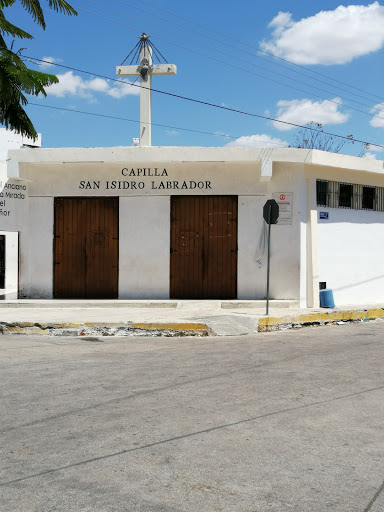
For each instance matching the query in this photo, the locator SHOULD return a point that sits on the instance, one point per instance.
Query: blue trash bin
(326, 299)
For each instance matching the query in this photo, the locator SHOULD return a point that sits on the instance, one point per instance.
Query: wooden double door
(203, 247)
(86, 248)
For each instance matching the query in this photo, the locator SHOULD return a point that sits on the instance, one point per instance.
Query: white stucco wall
(13, 203)
(251, 280)
(11, 261)
(285, 255)
(145, 215)
(36, 250)
(144, 225)
(111, 179)
(285, 239)
(3, 170)
(144, 244)
(13, 213)
(12, 140)
(351, 248)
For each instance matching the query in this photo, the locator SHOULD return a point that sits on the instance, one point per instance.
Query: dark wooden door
(203, 247)
(86, 248)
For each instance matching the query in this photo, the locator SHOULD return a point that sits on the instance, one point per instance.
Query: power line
(238, 67)
(226, 136)
(258, 49)
(246, 62)
(243, 60)
(205, 103)
(244, 51)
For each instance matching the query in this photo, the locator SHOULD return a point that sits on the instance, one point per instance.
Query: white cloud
(74, 85)
(378, 120)
(121, 90)
(370, 155)
(97, 84)
(328, 37)
(219, 133)
(305, 111)
(258, 141)
(49, 62)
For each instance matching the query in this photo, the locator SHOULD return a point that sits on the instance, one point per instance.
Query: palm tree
(16, 79)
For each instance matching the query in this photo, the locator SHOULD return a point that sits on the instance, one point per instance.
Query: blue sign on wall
(324, 215)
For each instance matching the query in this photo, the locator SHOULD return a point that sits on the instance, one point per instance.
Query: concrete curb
(216, 326)
(107, 329)
(268, 324)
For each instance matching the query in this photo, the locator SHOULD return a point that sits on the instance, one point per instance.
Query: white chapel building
(144, 222)
(186, 223)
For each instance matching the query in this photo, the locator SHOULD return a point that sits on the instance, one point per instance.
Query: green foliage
(16, 79)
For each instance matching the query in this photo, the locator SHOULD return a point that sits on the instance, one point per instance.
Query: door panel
(203, 247)
(86, 248)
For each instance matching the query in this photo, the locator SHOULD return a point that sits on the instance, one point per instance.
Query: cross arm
(127, 70)
(164, 69)
(157, 69)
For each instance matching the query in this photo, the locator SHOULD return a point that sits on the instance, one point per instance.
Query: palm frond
(62, 6)
(6, 54)
(8, 28)
(28, 80)
(15, 118)
(16, 82)
(33, 82)
(34, 8)
(16, 79)
(6, 3)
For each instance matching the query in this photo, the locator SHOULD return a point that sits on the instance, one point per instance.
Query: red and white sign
(284, 200)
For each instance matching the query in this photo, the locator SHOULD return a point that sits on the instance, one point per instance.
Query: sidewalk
(167, 317)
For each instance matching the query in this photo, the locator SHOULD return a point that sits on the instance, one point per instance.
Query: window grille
(345, 195)
(335, 194)
(380, 199)
(368, 198)
(322, 192)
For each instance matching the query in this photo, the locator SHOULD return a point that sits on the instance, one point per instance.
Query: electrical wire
(243, 51)
(240, 68)
(205, 103)
(217, 134)
(249, 63)
(255, 48)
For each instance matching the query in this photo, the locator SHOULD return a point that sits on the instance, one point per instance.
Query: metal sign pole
(270, 215)
(269, 252)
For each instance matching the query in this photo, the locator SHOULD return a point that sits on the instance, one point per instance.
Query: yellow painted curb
(171, 326)
(17, 329)
(82, 328)
(275, 323)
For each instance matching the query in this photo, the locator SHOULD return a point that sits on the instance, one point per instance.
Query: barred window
(368, 200)
(322, 192)
(345, 195)
(334, 194)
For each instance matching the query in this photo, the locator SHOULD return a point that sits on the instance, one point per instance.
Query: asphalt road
(287, 421)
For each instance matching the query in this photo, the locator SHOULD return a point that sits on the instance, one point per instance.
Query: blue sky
(334, 73)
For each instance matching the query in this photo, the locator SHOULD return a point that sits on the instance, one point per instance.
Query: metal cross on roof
(145, 50)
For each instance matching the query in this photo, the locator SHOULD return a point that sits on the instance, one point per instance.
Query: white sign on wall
(112, 179)
(13, 198)
(284, 200)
